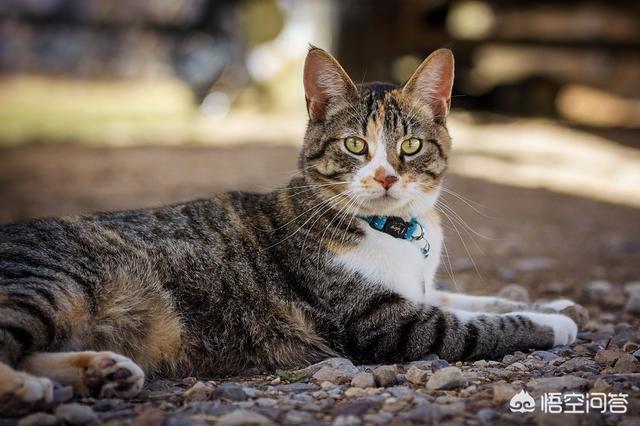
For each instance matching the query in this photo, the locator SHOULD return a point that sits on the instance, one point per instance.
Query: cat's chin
(385, 206)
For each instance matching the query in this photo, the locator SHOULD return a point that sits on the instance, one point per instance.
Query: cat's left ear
(327, 87)
(432, 82)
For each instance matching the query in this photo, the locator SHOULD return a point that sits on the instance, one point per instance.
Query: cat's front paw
(558, 304)
(565, 330)
(569, 308)
(113, 375)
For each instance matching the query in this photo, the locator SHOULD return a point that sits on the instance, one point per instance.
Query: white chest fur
(394, 263)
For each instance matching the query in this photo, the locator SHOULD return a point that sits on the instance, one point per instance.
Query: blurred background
(113, 104)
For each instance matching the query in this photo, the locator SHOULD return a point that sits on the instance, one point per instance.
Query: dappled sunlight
(538, 153)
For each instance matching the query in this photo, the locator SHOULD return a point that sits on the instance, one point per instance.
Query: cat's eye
(355, 145)
(410, 146)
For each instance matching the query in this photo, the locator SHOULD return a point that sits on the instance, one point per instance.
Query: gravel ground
(551, 245)
(605, 359)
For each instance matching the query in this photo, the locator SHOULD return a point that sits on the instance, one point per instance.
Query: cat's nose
(385, 180)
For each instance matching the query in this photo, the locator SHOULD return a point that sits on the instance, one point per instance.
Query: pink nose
(385, 180)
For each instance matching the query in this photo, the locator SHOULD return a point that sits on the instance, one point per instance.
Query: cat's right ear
(327, 87)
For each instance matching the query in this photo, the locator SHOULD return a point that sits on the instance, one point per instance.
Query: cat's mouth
(384, 203)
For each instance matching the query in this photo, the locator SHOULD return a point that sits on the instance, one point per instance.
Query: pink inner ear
(441, 106)
(437, 82)
(315, 108)
(314, 93)
(325, 83)
(433, 81)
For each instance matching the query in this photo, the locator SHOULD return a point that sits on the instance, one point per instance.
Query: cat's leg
(385, 326)
(36, 317)
(28, 320)
(494, 304)
(565, 330)
(466, 302)
(105, 374)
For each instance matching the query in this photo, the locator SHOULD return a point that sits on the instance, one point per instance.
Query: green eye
(355, 145)
(411, 146)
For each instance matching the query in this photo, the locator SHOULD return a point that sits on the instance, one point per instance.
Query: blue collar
(399, 228)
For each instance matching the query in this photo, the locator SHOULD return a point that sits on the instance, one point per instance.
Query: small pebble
(297, 417)
(562, 351)
(601, 385)
(189, 381)
(276, 381)
(198, 392)
(556, 384)
(595, 292)
(243, 417)
(581, 364)
(363, 380)
(509, 359)
(417, 376)
(39, 419)
(608, 356)
(503, 392)
(438, 363)
(400, 391)
(355, 392)
(633, 303)
(266, 402)
(333, 375)
(62, 394)
(76, 414)
(347, 421)
(626, 363)
(487, 416)
(514, 292)
(385, 375)
(446, 378)
(544, 355)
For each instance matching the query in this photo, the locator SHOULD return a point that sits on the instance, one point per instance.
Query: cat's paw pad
(569, 308)
(113, 375)
(21, 393)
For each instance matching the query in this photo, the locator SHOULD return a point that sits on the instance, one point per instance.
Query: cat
(339, 262)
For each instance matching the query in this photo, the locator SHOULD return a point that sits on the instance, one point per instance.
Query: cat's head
(377, 148)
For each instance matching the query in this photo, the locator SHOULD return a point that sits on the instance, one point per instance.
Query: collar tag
(399, 228)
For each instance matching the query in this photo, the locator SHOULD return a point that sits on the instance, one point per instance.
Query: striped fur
(245, 280)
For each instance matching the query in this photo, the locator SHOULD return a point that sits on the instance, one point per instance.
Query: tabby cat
(339, 262)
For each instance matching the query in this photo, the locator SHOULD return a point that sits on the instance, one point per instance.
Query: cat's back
(192, 221)
(182, 244)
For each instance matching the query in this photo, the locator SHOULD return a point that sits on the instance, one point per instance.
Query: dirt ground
(531, 237)
(551, 243)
